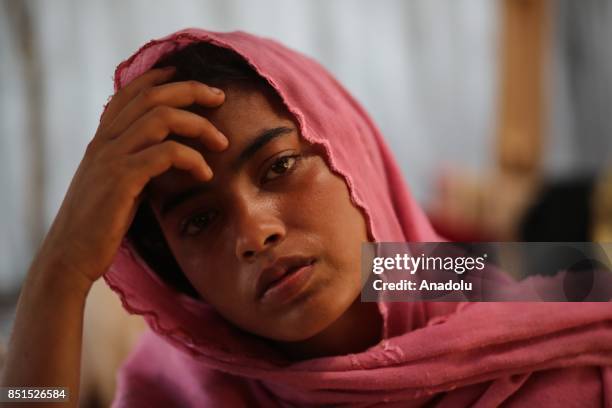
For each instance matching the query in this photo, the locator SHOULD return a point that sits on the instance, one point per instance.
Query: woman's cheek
(346, 224)
(330, 213)
(196, 262)
(200, 272)
(331, 196)
(317, 184)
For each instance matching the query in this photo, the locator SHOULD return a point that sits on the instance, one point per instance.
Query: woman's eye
(193, 225)
(280, 166)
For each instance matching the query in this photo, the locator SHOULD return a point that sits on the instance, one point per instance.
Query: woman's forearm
(45, 345)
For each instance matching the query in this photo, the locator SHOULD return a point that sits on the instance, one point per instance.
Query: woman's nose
(258, 229)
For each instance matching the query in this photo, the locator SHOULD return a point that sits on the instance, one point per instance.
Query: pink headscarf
(452, 354)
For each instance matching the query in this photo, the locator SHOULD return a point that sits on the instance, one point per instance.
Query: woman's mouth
(285, 279)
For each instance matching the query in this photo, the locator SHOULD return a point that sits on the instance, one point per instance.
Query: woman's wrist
(55, 275)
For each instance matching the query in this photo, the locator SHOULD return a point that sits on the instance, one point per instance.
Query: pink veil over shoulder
(432, 354)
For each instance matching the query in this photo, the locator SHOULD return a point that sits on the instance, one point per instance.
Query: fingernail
(169, 69)
(208, 174)
(224, 139)
(216, 90)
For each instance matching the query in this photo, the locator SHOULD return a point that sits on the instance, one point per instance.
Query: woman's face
(273, 203)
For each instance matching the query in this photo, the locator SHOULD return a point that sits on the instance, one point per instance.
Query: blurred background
(498, 112)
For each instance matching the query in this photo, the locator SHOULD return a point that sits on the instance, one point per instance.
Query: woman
(251, 282)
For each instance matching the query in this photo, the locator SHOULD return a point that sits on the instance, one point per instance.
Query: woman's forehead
(244, 110)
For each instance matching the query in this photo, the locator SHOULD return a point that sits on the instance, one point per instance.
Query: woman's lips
(289, 284)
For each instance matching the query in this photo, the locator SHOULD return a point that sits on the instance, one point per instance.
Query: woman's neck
(359, 328)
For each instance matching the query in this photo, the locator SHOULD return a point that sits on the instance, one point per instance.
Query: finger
(155, 126)
(124, 95)
(158, 159)
(177, 94)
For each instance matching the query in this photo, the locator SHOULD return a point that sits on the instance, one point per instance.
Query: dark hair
(214, 66)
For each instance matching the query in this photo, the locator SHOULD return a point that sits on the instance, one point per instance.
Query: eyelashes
(193, 225)
(281, 167)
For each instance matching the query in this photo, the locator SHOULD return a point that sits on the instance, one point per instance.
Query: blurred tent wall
(582, 91)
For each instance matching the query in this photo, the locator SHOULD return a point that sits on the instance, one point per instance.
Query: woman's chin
(312, 319)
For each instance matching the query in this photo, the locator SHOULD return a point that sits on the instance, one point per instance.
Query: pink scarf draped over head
(442, 354)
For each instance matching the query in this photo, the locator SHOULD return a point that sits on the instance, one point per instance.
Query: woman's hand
(128, 149)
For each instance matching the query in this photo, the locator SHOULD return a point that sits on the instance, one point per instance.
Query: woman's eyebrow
(257, 143)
